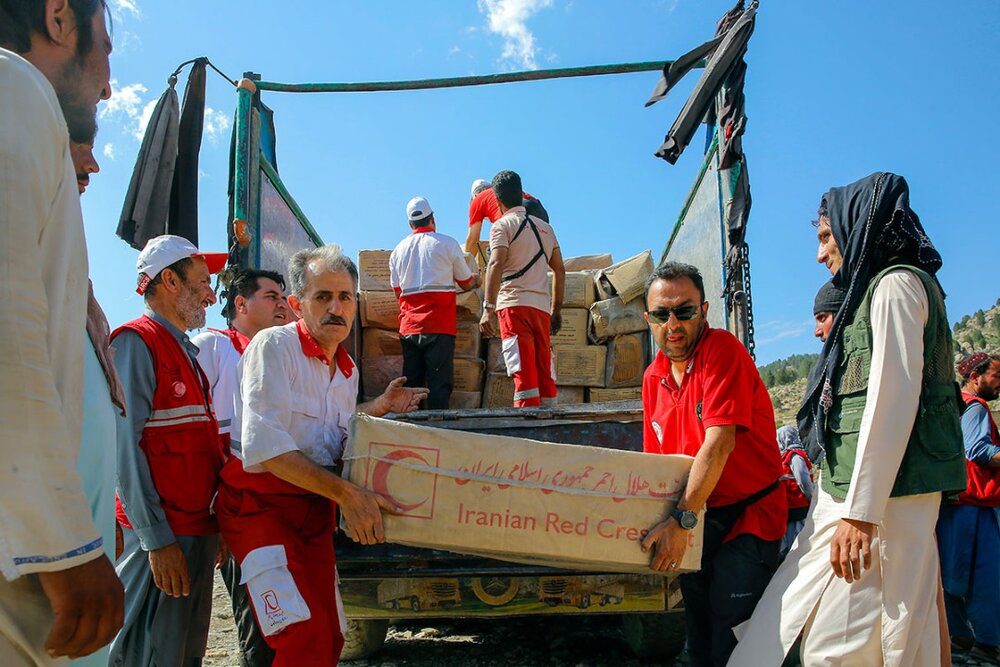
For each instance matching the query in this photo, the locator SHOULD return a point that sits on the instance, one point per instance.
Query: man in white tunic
(860, 584)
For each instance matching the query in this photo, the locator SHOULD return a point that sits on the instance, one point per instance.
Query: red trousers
(284, 544)
(527, 352)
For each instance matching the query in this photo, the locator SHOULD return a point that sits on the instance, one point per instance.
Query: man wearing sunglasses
(702, 396)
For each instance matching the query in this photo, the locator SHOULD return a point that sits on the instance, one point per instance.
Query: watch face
(689, 520)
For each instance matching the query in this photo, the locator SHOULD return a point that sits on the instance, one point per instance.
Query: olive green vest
(935, 458)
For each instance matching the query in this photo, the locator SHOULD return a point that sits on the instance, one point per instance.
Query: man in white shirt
(276, 504)
(254, 301)
(59, 595)
(424, 269)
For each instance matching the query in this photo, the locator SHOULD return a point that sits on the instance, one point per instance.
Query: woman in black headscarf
(862, 581)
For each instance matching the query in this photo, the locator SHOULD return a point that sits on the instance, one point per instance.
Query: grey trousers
(159, 630)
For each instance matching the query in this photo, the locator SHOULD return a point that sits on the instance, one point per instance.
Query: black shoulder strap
(541, 249)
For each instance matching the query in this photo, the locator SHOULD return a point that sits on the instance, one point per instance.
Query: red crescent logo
(380, 476)
(179, 389)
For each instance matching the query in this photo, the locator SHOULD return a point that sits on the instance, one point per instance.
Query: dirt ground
(583, 642)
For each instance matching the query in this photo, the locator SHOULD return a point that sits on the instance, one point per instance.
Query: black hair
(180, 267)
(673, 271)
(246, 283)
(20, 18)
(422, 222)
(507, 188)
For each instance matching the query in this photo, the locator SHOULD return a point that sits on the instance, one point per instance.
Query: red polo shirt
(720, 387)
(484, 205)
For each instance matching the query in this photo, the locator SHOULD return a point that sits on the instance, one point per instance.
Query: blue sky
(835, 90)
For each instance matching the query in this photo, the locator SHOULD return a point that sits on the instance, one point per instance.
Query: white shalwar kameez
(888, 617)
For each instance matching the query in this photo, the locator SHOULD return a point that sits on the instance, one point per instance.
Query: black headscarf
(874, 228)
(828, 299)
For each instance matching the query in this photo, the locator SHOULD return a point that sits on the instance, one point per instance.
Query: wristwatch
(685, 518)
(489, 306)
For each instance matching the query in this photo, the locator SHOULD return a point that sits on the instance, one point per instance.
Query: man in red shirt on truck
(702, 396)
(484, 206)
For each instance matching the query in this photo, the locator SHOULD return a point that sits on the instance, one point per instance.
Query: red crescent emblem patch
(179, 389)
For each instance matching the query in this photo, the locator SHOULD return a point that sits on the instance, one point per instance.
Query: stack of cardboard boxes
(599, 354)
(381, 349)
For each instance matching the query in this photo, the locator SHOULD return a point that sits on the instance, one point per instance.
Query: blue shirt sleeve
(979, 447)
(136, 490)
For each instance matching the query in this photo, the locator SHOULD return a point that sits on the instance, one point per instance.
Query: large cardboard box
(626, 360)
(373, 271)
(580, 365)
(379, 310)
(499, 391)
(528, 501)
(494, 357)
(469, 305)
(464, 400)
(587, 262)
(468, 375)
(599, 395)
(611, 317)
(578, 289)
(574, 328)
(380, 342)
(378, 372)
(468, 339)
(627, 279)
(570, 395)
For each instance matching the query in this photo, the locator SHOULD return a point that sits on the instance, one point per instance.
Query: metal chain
(745, 266)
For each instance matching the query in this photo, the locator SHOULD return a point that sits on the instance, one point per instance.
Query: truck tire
(654, 636)
(364, 637)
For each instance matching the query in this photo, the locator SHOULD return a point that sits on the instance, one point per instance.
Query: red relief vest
(181, 437)
(983, 487)
(796, 499)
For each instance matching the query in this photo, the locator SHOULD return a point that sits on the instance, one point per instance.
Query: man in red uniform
(702, 396)
(967, 530)
(484, 206)
(169, 458)
(255, 300)
(424, 270)
(523, 248)
(298, 388)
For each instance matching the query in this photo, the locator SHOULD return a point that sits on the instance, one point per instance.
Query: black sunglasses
(682, 313)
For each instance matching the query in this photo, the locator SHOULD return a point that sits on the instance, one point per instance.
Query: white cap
(477, 184)
(162, 251)
(418, 208)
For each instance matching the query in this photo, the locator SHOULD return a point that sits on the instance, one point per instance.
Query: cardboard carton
(380, 342)
(379, 310)
(578, 289)
(517, 499)
(373, 271)
(378, 372)
(570, 395)
(464, 400)
(611, 317)
(469, 305)
(626, 360)
(494, 357)
(499, 391)
(600, 395)
(468, 375)
(574, 328)
(580, 365)
(625, 280)
(468, 339)
(587, 262)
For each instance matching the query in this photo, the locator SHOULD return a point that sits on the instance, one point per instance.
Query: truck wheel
(363, 637)
(654, 636)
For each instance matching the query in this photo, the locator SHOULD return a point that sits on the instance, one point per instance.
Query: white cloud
(143, 120)
(125, 100)
(772, 332)
(216, 124)
(508, 18)
(109, 151)
(121, 7)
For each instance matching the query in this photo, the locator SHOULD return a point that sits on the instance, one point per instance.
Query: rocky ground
(590, 642)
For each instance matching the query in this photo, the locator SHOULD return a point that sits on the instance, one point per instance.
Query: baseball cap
(478, 184)
(162, 251)
(418, 208)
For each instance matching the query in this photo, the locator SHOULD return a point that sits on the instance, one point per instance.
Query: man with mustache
(169, 458)
(254, 301)
(59, 595)
(84, 163)
(861, 584)
(703, 396)
(298, 388)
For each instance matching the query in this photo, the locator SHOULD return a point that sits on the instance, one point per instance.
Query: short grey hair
(329, 256)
